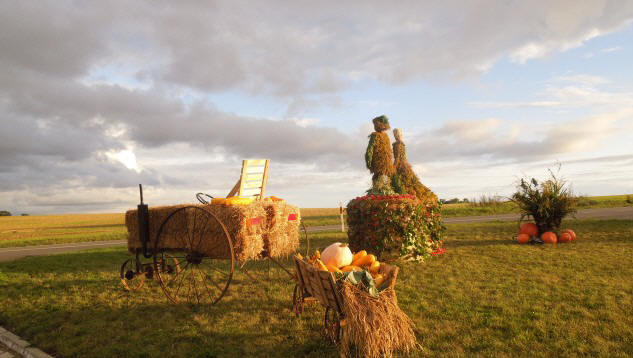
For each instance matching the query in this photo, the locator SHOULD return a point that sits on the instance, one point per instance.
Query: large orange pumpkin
(523, 238)
(570, 232)
(564, 237)
(529, 228)
(549, 237)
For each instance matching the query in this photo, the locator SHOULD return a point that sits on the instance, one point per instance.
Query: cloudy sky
(96, 97)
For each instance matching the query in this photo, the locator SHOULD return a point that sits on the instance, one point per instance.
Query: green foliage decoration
(547, 202)
(391, 227)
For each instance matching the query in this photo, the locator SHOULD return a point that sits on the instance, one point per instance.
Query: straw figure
(378, 157)
(405, 181)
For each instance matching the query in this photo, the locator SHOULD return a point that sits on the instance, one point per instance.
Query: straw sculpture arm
(370, 150)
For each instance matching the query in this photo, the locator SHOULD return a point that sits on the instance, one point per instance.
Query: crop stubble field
(488, 296)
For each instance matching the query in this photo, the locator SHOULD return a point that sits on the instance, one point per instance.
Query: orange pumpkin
(570, 232)
(564, 237)
(529, 228)
(523, 238)
(549, 237)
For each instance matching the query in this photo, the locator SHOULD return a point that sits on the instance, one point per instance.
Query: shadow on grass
(69, 310)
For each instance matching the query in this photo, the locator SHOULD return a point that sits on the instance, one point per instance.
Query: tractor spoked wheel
(132, 274)
(201, 252)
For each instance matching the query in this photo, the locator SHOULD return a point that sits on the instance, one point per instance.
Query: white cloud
(611, 49)
(125, 157)
(571, 91)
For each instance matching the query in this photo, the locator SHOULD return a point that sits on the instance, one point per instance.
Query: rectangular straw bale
(246, 236)
(281, 235)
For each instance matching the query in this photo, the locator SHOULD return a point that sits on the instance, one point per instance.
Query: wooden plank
(252, 184)
(298, 264)
(265, 180)
(235, 189)
(250, 191)
(253, 162)
(255, 171)
(254, 177)
(322, 285)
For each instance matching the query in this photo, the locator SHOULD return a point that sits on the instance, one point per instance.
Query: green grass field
(487, 296)
(593, 202)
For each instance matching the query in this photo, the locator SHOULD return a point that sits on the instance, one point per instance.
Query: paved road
(602, 213)
(18, 252)
(14, 253)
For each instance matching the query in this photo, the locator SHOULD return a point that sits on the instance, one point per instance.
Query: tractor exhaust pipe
(143, 223)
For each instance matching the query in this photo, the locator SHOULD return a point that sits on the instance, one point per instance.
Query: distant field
(469, 209)
(58, 229)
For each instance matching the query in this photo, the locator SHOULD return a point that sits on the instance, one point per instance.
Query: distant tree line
(454, 201)
(4, 213)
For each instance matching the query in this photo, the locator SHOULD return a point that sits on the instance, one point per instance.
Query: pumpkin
(564, 237)
(333, 268)
(529, 228)
(549, 237)
(359, 255)
(239, 200)
(365, 260)
(523, 238)
(349, 268)
(217, 201)
(374, 267)
(571, 233)
(337, 254)
(320, 265)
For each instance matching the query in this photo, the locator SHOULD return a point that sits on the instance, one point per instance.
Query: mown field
(59, 229)
(487, 296)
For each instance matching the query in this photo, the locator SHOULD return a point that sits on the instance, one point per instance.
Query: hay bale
(281, 234)
(374, 327)
(246, 236)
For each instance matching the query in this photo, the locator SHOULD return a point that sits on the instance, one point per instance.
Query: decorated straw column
(399, 217)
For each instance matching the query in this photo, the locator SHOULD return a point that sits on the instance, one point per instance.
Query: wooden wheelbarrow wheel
(332, 325)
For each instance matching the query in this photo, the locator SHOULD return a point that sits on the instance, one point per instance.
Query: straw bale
(246, 237)
(375, 327)
(281, 235)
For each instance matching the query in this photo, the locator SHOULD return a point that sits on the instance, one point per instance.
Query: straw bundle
(375, 327)
(281, 234)
(246, 235)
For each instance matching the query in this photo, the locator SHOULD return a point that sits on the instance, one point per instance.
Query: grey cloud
(55, 127)
(59, 38)
(291, 48)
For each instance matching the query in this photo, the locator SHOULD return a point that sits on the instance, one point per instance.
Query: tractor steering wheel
(201, 198)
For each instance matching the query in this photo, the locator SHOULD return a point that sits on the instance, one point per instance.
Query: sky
(97, 97)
